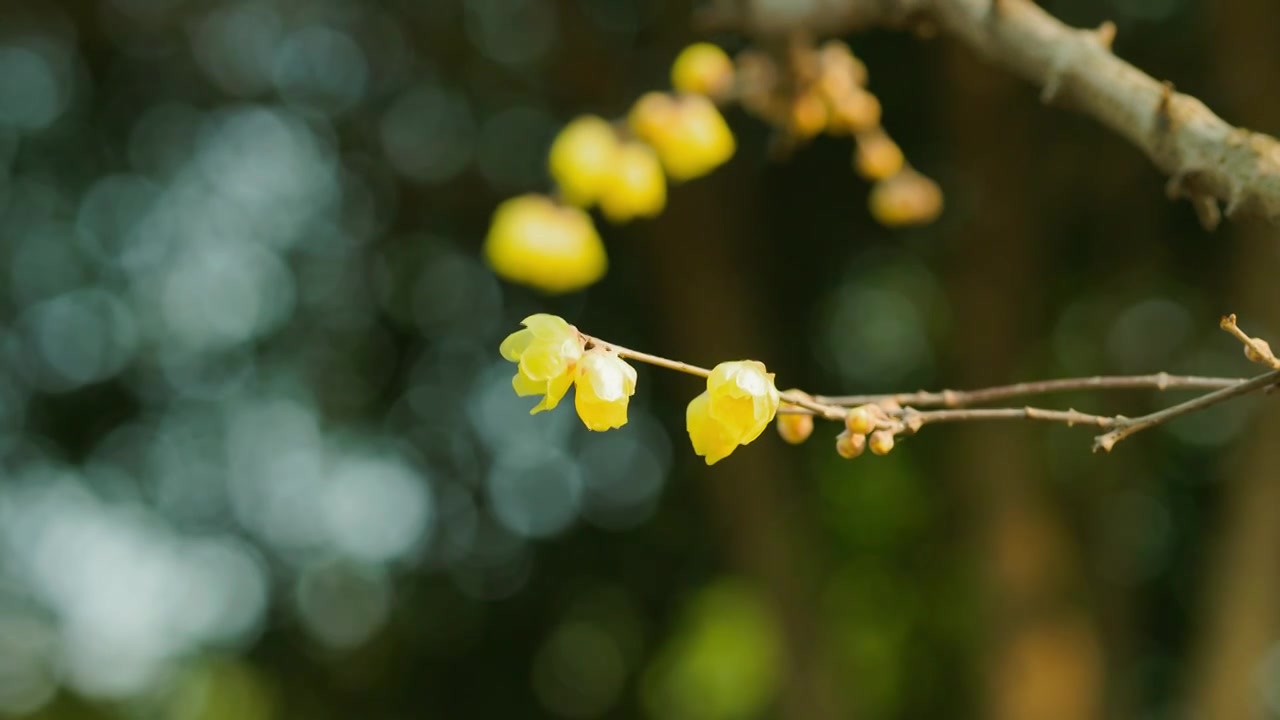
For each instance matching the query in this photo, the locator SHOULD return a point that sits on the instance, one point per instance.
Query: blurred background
(261, 459)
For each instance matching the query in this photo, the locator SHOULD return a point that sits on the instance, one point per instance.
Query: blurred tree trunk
(1043, 658)
(1242, 581)
(707, 302)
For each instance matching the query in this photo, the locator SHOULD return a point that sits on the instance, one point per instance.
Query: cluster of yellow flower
(622, 168)
(824, 90)
(551, 356)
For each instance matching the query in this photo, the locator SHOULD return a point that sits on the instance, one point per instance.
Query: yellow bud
(739, 403)
(860, 420)
(907, 198)
(553, 248)
(546, 353)
(703, 69)
(807, 116)
(582, 158)
(795, 428)
(856, 111)
(839, 66)
(878, 156)
(637, 187)
(688, 133)
(604, 385)
(850, 445)
(880, 442)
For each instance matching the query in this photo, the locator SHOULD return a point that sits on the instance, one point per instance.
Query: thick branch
(1207, 160)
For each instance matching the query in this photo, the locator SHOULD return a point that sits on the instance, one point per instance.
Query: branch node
(1164, 114)
(1184, 184)
(1105, 34)
(1258, 351)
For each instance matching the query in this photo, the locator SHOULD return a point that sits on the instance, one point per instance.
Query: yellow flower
(688, 132)
(703, 69)
(582, 157)
(553, 248)
(739, 403)
(636, 188)
(547, 351)
(604, 385)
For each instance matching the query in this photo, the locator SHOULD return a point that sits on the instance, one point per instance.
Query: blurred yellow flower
(703, 69)
(636, 187)
(604, 384)
(547, 351)
(739, 403)
(688, 132)
(551, 247)
(582, 158)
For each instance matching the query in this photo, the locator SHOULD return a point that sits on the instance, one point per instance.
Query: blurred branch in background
(1207, 160)
(1231, 672)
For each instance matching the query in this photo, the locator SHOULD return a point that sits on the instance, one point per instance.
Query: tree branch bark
(1209, 161)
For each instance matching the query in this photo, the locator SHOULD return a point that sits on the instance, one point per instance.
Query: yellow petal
(542, 361)
(605, 375)
(547, 327)
(708, 436)
(556, 388)
(515, 344)
(526, 386)
(600, 415)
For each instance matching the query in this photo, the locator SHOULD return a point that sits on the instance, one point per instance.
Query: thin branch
(1128, 426)
(912, 420)
(1207, 160)
(964, 398)
(820, 409)
(1256, 350)
(896, 414)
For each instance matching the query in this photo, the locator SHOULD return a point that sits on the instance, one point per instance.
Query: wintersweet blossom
(703, 69)
(535, 242)
(637, 187)
(582, 159)
(603, 386)
(547, 351)
(687, 131)
(739, 403)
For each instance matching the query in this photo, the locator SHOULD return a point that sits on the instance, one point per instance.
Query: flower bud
(860, 420)
(703, 69)
(881, 442)
(907, 198)
(836, 59)
(1259, 351)
(850, 445)
(857, 111)
(807, 116)
(794, 428)
(878, 156)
